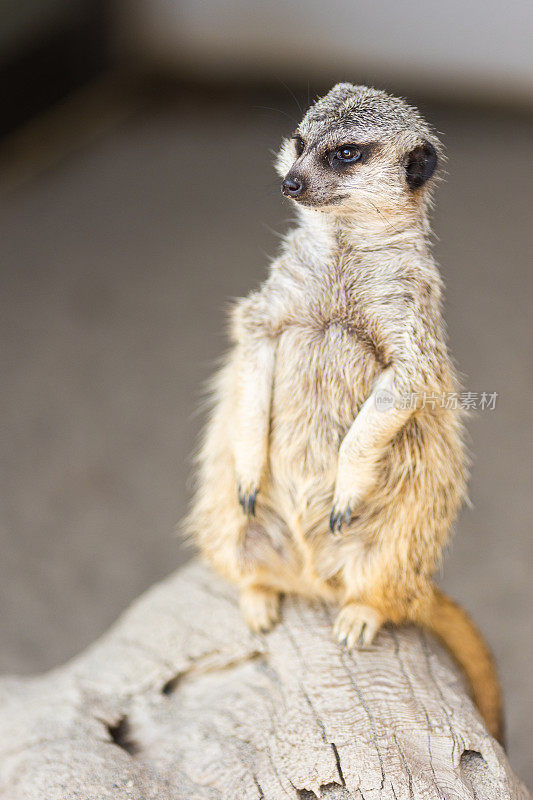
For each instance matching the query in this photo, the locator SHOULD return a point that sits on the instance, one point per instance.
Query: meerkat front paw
(351, 488)
(260, 608)
(247, 496)
(342, 512)
(356, 625)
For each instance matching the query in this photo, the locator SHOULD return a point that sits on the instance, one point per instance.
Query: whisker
(390, 226)
(277, 234)
(279, 111)
(287, 87)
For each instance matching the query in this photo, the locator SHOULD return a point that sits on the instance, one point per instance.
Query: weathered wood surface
(180, 700)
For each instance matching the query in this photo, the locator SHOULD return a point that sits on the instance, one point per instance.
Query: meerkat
(317, 474)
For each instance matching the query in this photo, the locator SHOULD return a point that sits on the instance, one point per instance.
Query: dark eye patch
(349, 154)
(299, 143)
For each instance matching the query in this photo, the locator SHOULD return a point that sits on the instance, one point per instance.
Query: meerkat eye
(347, 154)
(299, 144)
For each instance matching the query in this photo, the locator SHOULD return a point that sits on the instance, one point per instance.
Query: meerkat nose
(292, 187)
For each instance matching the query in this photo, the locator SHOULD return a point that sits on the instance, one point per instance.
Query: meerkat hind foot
(357, 625)
(260, 608)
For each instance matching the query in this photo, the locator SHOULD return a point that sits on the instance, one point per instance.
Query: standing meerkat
(318, 475)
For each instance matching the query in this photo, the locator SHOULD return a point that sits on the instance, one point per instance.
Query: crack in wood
(406, 765)
(368, 713)
(427, 655)
(259, 788)
(338, 762)
(121, 735)
(208, 664)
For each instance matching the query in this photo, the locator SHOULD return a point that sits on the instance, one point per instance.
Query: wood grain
(180, 701)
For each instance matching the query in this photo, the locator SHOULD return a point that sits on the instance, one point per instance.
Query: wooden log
(180, 701)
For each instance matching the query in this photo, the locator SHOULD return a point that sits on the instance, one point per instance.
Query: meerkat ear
(420, 164)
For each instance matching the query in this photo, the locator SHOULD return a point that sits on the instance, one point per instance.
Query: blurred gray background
(137, 197)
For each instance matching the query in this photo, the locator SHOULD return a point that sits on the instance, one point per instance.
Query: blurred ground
(117, 263)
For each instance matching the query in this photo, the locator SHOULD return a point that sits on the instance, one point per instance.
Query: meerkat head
(358, 149)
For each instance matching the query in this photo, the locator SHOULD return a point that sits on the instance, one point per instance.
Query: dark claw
(335, 522)
(251, 503)
(339, 518)
(361, 639)
(247, 502)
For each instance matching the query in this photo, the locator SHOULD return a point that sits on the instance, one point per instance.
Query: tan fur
(351, 309)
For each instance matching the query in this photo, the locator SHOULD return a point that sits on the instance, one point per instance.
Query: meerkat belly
(322, 377)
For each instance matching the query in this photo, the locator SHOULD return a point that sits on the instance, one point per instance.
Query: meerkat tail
(454, 627)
